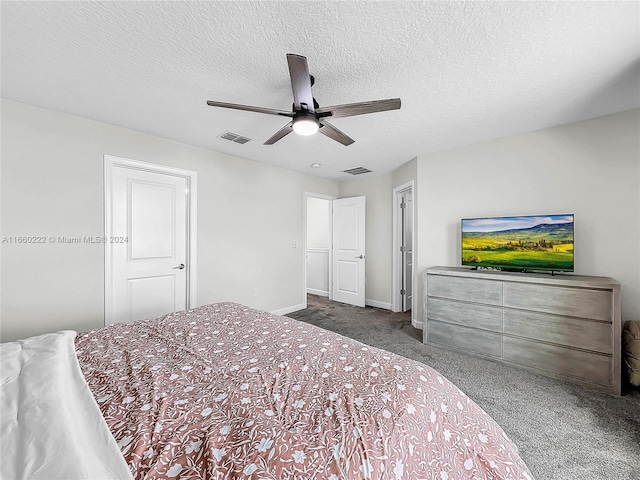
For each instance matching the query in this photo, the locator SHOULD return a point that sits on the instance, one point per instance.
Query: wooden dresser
(563, 326)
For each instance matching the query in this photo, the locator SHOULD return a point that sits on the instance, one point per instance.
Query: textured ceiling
(466, 72)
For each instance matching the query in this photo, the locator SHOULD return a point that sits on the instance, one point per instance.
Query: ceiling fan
(307, 116)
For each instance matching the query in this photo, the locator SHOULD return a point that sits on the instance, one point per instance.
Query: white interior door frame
(305, 196)
(396, 300)
(111, 162)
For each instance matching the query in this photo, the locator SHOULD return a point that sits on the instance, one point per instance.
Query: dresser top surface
(560, 279)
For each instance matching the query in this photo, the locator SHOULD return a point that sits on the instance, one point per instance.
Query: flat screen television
(533, 242)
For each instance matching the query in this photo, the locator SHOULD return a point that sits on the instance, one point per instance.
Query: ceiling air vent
(357, 171)
(234, 137)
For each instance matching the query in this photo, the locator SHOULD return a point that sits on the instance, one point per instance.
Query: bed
(228, 392)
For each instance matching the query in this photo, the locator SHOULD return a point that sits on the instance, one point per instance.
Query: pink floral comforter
(228, 392)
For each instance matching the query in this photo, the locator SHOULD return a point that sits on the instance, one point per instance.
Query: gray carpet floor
(563, 431)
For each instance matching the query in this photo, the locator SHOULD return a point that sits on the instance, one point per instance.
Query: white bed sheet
(50, 424)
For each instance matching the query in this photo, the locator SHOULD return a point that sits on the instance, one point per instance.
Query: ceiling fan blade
(286, 130)
(332, 132)
(351, 109)
(300, 81)
(248, 108)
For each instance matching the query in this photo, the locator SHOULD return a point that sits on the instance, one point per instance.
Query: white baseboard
(377, 304)
(320, 293)
(294, 308)
(417, 324)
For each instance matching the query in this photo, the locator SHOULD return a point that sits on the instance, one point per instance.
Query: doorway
(150, 240)
(403, 241)
(318, 245)
(335, 248)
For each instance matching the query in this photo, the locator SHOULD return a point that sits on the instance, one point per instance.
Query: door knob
(179, 267)
(360, 257)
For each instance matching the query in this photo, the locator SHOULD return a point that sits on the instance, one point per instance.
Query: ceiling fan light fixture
(306, 125)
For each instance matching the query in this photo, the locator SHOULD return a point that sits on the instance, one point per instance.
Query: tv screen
(540, 242)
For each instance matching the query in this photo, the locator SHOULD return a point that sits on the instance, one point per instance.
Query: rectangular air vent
(357, 171)
(234, 137)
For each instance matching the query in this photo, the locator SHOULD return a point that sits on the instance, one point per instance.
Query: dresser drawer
(477, 316)
(573, 302)
(467, 289)
(465, 338)
(564, 361)
(570, 331)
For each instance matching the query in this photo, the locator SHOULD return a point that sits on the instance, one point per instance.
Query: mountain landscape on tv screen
(541, 247)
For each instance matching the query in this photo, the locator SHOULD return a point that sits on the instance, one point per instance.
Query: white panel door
(148, 243)
(349, 250)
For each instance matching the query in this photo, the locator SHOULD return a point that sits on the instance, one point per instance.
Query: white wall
(378, 190)
(318, 245)
(405, 173)
(249, 214)
(591, 169)
(318, 222)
